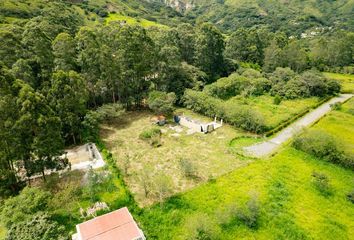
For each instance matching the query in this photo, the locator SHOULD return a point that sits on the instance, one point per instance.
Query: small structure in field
(159, 120)
(117, 225)
(197, 126)
(85, 157)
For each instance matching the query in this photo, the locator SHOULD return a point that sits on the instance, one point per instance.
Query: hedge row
(239, 116)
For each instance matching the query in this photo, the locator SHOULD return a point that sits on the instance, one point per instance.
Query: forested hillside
(293, 17)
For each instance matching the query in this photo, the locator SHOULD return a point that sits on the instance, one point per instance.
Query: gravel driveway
(266, 148)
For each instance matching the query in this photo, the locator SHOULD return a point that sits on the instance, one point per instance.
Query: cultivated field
(210, 154)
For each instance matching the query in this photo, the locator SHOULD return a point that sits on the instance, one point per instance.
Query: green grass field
(133, 21)
(291, 207)
(340, 124)
(347, 81)
(211, 154)
(274, 114)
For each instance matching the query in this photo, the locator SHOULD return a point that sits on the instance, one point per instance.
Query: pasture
(290, 206)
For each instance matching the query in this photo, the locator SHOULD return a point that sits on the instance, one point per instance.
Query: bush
(228, 87)
(336, 106)
(188, 168)
(152, 135)
(238, 116)
(22, 207)
(161, 102)
(201, 227)
(277, 100)
(38, 227)
(324, 146)
(250, 213)
(350, 196)
(321, 182)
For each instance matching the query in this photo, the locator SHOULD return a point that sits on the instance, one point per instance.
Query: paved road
(266, 148)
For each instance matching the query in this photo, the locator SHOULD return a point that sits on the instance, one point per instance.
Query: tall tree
(68, 97)
(246, 45)
(210, 47)
(64, 50)
(39, 130)
(136, 56)
(88, 54)
(186, 42)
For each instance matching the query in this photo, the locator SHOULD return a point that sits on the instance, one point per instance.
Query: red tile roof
(117, 225)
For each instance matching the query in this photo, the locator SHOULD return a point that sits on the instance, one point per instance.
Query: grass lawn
(347, 81)
(276, 114)
(290, 205)
(133, 21)
(340, 124)
(211, 154)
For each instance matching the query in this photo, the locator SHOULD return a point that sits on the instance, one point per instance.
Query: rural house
(117, 225)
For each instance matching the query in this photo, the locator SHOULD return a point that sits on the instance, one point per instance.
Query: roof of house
(112, 226)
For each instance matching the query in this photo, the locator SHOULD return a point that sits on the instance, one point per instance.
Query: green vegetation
(248, 100)
(290, 205)
(132, 21)
(347, 81)
(79, 71)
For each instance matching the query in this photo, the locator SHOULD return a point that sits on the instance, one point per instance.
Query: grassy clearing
(211, 154)
(133, 21)
(347, 81)
(274, 114)
(291, 207)
(340, 124)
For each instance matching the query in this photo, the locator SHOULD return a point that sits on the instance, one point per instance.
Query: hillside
(281, 15)
(92, 10)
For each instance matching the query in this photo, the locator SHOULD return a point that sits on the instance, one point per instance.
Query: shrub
(22, 207)
(201, 227)
(238, 116)
(161, 102)
(250, 213)
(336, 106)
(350, 196)
(188, 168)
(152, 135)
(38, 227)
(277, 100)
(324, 146)
(321, 182)
(228, 87)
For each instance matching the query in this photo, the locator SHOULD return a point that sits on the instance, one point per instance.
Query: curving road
(270, 146)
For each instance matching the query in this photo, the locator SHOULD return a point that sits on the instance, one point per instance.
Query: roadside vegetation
(279, 196)
(346, 80)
